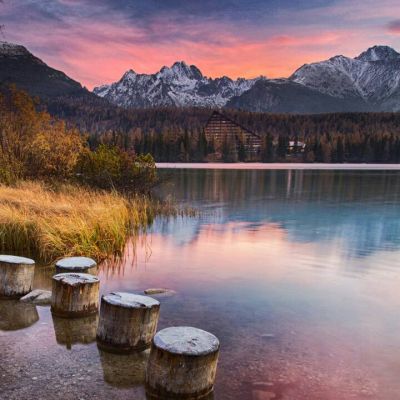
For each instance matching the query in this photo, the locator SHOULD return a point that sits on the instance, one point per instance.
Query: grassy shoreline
(48, 223)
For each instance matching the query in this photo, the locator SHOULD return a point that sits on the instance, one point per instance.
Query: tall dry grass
(47, 223)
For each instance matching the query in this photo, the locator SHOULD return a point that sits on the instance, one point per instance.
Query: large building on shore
(231, 140)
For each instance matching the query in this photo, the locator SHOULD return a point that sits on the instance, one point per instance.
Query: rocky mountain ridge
(180, 85)
(368, 82)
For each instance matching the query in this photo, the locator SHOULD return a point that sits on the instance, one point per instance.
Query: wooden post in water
(75, 295)
(127, 322)
(77, 264)
(182, 364)
(16, 276)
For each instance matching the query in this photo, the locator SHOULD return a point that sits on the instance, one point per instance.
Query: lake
(296, 271)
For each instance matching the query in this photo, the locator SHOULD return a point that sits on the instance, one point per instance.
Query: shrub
(35, 146)
(109, 167)
(32, 144)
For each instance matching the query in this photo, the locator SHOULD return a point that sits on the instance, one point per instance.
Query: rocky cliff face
(373, 76)
(180, 85)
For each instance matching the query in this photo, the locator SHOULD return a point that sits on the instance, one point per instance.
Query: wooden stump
(16, 276)
(75, 295)
(77, 265)
(182, 364)
(75, 331)
(127, 323)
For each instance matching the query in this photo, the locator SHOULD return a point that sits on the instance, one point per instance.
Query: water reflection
(15, 315)
(359, 210)
(72, 331)
(124, 371)
(42, 278)
(297, 274)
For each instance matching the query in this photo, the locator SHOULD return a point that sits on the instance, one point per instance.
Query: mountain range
(180, 85)
(368, 82)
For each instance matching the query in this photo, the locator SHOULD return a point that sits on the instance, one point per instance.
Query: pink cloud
(95, 52)
(394, 27)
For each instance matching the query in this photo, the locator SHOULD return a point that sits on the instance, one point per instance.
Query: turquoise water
(296, 272)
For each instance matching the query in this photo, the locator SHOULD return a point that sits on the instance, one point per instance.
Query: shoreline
(280, 166)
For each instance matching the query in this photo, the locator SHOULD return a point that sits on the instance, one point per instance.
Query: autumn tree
(33, 144)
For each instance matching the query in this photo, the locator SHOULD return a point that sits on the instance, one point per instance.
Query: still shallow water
(297, 273)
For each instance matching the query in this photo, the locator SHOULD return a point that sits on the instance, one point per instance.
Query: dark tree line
(173, 134)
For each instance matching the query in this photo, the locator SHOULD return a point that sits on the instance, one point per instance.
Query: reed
(49, 223)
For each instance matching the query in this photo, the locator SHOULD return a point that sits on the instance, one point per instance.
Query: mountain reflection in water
(357, 208)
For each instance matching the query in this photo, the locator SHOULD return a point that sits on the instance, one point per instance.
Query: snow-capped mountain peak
(379, 53)
(7, 48)
(178, 85)
(372, 77)
(180, 67)
(370, 81)
(129, 74)
(180, 72)
(12, 50)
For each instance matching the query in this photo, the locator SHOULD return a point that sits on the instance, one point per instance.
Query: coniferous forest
(177, 134)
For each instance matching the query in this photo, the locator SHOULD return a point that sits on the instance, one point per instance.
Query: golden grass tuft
(47, 223)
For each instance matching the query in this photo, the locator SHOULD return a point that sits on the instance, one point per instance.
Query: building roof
(220, 114)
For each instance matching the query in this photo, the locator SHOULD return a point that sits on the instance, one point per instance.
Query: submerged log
(75, 295)
(16, 276)
(127, 323)
(182, 364)
(77, 264)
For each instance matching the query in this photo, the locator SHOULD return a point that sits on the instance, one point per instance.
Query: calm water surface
(297, 273)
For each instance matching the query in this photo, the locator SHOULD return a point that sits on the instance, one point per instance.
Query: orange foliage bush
(32, 144)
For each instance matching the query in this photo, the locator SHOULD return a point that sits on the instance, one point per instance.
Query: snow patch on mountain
(372, 76)
(12, 50)
(370, 81)
(379, 53)
(180, 85)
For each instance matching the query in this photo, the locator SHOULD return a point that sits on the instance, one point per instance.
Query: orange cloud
(96, 52)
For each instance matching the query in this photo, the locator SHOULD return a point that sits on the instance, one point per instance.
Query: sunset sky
(95, 42)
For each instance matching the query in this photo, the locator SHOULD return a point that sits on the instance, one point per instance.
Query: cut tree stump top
(16, 260)
(76, 263)
(186, 340)
(74, 279)
(130, 300)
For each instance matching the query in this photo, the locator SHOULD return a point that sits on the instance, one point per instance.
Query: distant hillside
(20, 67)
(285, 96)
